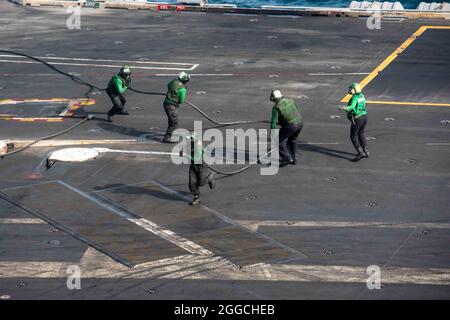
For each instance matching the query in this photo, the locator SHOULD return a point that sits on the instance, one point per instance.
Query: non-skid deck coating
(420, 74)
(115, 236)
(198, 224)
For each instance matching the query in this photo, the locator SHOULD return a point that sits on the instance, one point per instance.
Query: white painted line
(55, 143)
(255, 224)
(303, 143)
(339, 74)
(438, 143)
(105, 60)
(100, 65)
(217, 270)
(146, 224)
(197, 74)
(105, 150)
(21, 221)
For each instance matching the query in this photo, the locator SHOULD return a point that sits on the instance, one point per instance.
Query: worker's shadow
(140, 135)
(141, 190)
(327, 151)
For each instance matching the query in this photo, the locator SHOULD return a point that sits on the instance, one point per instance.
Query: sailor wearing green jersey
(286, 113)
(199, 173)
(176, 94)
(117, 86)
(357, 114)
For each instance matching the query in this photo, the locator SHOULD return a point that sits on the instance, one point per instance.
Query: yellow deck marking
(72, 106)
(391, 58)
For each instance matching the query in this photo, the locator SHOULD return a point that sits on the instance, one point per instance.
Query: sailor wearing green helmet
(117, 86)
(357, 114)
(199, 173)
(176, 94)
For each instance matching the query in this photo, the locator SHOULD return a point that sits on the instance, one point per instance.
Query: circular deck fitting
(74, 154)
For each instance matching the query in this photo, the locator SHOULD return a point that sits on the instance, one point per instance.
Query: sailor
(199, 173)
(286, 113)
(357, 114)
(117, 86)
(176, 94)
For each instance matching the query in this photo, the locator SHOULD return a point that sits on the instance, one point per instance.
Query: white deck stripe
(21, 221)
(163, 269)
(104, 60)
(101, 65)
(339, 74)
(255, 224)
(147, 225)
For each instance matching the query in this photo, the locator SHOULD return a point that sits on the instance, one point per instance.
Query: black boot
(167, 139)
(284, 163)
(109, 116)
(124, 113)
(366, 151)
(360, 155)
(195, 201)
(211, 181)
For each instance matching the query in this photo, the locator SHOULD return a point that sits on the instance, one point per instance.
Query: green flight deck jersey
(356, 107)
(176, 92)
(284, 112)
(116, 85)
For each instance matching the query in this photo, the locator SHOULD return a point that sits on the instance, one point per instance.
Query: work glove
(128, 81)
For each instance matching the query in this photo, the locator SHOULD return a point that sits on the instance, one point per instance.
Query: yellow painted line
(425, 104)
(394, 55)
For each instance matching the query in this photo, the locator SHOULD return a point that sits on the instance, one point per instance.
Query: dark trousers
(172, 117)
(198, 177)
(357, 132)
(288, 141)
(118, 102)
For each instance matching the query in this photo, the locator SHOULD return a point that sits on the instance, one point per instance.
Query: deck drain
(425, 232)
(371, 204)
(217, 47)
(21, 285)
(135, 108)
(302, 96)
(143, 59)
(272, 37)
(371, 138)
(200, 92)
(217, 111)
(53, 230)
(154, 128)
(327, 252)
(335, 67)
(118, 42)
(150, 291)
(331, 179)
(389, 119)
(5, 297)
(253, 20)
(290, 223)
(334, 116)
(238, 63)
(411, 160)
(305, 50)
(96, 93)
(252, 197)
(445, 121)
(27, 38)
(365, 41)
(273, 76)
(53, 242)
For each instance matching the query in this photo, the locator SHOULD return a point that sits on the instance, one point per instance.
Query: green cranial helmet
(125, 70)
(355, 86)
(275, 95)
(184, 77)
